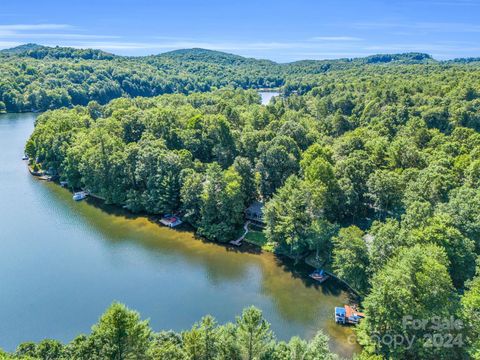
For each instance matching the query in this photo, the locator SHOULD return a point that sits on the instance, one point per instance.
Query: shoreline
(246, 247)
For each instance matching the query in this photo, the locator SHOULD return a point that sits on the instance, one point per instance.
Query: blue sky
(278, 30)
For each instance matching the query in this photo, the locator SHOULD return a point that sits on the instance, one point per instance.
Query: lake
(62, 263)
(267, 96)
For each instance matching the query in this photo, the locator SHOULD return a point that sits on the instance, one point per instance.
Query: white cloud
(422, 47)
(27, 27)
(333, 43)
(335, 38)
(331, 46)
(191, 44)
(8, 44)
(46, 31)
(55, 36)
(425, 26)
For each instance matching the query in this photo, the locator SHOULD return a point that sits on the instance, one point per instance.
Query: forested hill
(373, 173)
(40, 52)
(38, 78)
(21, 49)
(211, 56)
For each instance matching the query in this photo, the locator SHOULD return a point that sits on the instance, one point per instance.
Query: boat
(63, 183)
(25, 157)
(171, 221)
(319, 275)
(80, 195)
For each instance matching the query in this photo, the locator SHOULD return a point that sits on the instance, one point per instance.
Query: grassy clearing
(257, 237)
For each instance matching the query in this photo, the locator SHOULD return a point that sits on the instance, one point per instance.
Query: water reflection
(297, 298)
(63, 262)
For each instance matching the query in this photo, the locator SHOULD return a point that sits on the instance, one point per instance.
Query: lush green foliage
(374, 168)
(120, 334)
(41, 78)
(37, 78)
(413, 284)
(471, 315)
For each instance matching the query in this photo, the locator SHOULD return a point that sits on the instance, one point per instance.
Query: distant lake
(62, 263)
(267, 96)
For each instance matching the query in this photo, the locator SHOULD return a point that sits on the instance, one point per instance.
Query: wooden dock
(238, 242)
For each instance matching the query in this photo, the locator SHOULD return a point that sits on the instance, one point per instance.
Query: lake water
(267, 96)
(62, 263)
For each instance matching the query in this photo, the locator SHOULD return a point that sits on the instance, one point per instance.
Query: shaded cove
(62, 263)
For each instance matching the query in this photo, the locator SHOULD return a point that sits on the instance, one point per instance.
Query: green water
(63, 262)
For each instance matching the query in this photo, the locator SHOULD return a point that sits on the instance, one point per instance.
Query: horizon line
(13, 45)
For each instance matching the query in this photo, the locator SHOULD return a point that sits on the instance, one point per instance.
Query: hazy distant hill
(37, 77)
(210, 56)
(39, 52)
(21, 49)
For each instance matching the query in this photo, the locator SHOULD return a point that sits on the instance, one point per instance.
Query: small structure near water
(80, 195)
(254, 213)
(238, 242)
(348, 315)
(319, 275)
(171, 221)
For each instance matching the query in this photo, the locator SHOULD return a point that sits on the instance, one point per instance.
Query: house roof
(350, 311)
(340, 311)
(255, 208)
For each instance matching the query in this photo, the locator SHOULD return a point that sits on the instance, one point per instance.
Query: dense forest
(121, 334)
(370, 166)
(38, 78)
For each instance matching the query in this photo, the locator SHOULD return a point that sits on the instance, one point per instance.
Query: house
(254, 213)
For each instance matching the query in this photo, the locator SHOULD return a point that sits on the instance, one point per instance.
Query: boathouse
(254, 213)
(348, 315)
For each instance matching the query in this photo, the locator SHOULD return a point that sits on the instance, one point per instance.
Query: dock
(45, 177)
(95, 196)
(238, 242)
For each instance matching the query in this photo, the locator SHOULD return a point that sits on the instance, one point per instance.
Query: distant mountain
(40, 51)
(21, 49)
(405, 58)
(464, 60)
(195, 55)
(210, 56)
(37, 77)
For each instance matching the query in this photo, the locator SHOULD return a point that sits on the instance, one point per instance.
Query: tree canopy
(370, 165)
(120, 334)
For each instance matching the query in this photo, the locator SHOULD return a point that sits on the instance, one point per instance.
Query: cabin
(254, 213)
